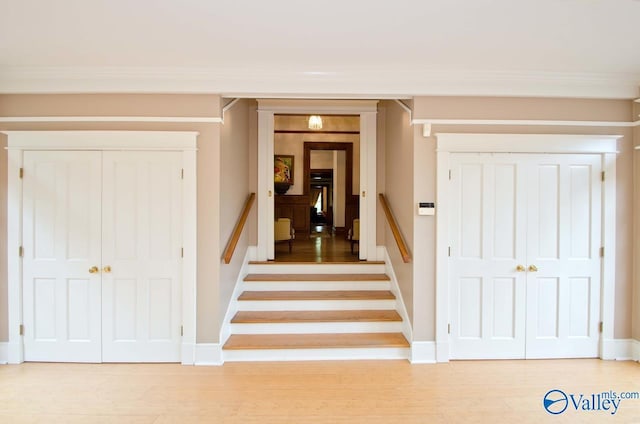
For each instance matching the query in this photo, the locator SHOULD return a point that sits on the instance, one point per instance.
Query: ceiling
(355, 48)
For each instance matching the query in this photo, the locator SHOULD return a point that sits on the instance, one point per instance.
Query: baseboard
(4, 353)
(208, 354)
(423, 353)
(636, 350)
(618, 349)
(395, 289)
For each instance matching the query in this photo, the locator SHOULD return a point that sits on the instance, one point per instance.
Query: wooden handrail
(402, 246)
(237, 231)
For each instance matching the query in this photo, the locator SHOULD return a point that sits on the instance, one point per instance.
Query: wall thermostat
(425, 208)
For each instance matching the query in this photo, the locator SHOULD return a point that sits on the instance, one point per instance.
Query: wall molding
(423, 352)
(287, 82)
(208, 354)
(635, 350)
(523, 122)
(4, 353)
(618, 349)
(170, 119)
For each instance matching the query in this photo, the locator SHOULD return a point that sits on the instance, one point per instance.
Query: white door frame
(182, 141)
(367, 109)
(606, 146)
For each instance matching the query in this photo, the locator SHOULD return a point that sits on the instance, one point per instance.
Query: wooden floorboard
(315, 341)
(316, 277)
(313, 392)
(318, 295)
(260, 317)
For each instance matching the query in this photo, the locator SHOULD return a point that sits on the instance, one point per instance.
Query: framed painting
(283, 169)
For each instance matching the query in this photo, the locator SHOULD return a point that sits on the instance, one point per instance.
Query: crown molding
(343, 83)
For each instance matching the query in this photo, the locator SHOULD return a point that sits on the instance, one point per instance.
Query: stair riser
(331, 354)
(314, 305)
(317, 269)
(316, 285)
(317, 327)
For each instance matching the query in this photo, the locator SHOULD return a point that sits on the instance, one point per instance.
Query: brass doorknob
(94, 270)
(106, 269)
(520, 268)
(533, 268)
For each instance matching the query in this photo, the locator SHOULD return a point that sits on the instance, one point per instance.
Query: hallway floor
(313, 392)
(322, 246)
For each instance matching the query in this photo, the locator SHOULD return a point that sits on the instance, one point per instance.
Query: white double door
(102, 234)
(525, 267)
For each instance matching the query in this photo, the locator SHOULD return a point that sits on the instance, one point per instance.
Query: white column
(265, 249)
(368, 187)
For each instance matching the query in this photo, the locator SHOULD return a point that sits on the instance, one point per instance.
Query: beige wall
(208, 172)
(541, 109)
(235, 145)
(636, 279)
(398, 187)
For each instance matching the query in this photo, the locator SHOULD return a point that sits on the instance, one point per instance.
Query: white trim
(102, 140)
(290, 82)
(171, 119)
(423, 353)
(232, 307)
(618, 349)
(318, 106)
(265, 248)
(18, 141)
(525, 122)
(4, 353)
(331, 354)
(407, 330)
(524, 143)
(368, 186)
(208, 354)
(635, 352)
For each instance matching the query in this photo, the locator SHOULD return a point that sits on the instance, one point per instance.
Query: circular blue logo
(555, 401)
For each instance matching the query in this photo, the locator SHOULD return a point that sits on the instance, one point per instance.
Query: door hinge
(602, 252)
(21, 173)
(182, 174)
(182, 252)
(181, 330)
(449, 251)
(21, 329)
(449, 174)
(602, 175)
(600, 326)
(448, 328)
(21, 251)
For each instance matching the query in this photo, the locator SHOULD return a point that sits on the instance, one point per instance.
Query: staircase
(316, 312)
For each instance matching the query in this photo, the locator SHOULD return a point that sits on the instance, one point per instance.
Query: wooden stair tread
(260, 317)
(316, 263)
(315, 341)
(316, 277)
(318, 295)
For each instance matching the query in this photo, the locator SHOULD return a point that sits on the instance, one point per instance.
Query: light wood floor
(311, 392)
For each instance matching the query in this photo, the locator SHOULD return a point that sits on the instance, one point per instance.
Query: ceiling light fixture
(315, 122)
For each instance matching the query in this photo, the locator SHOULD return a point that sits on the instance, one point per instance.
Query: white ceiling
(585, 48)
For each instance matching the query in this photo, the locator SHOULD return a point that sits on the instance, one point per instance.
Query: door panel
(142, 242)
(61, 231)
(564, 221)
(487, 243)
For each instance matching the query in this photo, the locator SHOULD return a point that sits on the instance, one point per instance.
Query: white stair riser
(316, 269)
(337, 354)
(317, 327)
(315, 285)
(314, 305)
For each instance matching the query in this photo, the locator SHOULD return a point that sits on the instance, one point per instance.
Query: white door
(488, 242)
(142, 239)
(61, 233)
(102, 238)
(525, 268)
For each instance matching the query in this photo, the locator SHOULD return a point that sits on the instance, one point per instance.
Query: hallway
(322, 246)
